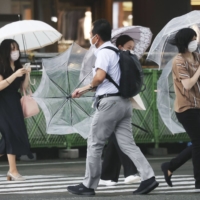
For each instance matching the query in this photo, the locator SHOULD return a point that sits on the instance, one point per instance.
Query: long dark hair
(5, 51)
(183, 37)
(123, 39)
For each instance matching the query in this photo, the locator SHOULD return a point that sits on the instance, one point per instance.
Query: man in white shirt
(113, 114)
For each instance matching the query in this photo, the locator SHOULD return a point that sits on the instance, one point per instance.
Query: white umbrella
(142, 37)
(30, 34)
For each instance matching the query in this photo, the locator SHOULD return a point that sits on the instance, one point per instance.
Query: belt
(108, 95)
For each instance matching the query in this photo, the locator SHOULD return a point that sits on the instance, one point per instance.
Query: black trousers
(113, 159)
(182, 158)
(190, 119)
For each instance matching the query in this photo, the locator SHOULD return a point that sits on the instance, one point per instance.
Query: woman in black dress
(13, 76)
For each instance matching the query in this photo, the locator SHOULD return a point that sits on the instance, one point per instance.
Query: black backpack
(131, 80)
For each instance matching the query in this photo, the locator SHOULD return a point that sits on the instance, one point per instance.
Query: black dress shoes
(80, 190)
(146, 186)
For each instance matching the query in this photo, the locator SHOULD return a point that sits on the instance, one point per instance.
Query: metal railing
(149, 119)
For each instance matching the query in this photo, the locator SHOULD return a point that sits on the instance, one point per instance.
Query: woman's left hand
(28, 69)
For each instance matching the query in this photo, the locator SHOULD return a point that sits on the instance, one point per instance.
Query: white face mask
(131, 51)
(93, 45)
(192, 46)
(14, 55)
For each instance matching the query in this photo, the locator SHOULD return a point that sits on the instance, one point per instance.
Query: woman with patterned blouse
(186, 72)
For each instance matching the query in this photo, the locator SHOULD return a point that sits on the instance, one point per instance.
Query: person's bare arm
(6, 82)
(190, 82)
(97, 80)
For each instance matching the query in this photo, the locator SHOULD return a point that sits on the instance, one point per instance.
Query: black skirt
(14, 138)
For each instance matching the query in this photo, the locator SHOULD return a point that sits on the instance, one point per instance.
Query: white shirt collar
(105, 44)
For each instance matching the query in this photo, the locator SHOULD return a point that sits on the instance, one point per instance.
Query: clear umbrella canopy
(161, 47)
(61, 76)
(162, 52)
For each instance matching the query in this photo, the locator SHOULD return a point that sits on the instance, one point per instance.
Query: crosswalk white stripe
(116, 191)
(3, 177)
(52, 178)
(41, 164)
(39, 192)
(50, 186)
(66, 181)
(71, 162)
(58, 183)
(178, 191)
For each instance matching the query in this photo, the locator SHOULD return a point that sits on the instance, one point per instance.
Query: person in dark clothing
(13, 76)
(111, 166)
(169, 167)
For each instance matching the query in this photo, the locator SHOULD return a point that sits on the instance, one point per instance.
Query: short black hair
(183, 37)
(103, 28)
(123, 39)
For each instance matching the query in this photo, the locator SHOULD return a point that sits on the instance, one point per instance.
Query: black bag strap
(143, 87)
(112, 48)
(107, 75)
(140, 128)
(112, 81)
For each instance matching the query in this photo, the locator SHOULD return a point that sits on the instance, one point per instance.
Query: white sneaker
(132, 179)
(107, 182)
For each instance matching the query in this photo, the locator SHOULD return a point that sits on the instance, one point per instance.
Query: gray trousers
(113, 115)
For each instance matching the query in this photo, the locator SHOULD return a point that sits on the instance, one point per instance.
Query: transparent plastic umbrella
(165, 100)
(162, 52)
(60, 77)
(160, 46)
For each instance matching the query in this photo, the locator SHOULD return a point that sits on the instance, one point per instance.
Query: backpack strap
(107, 75)
(112, 48)
(112, 81)
(139, 127)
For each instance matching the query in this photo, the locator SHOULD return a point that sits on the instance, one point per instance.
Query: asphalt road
(47, 179)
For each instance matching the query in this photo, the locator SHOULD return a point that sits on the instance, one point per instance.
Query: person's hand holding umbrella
(80, 91)
(97, 80)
